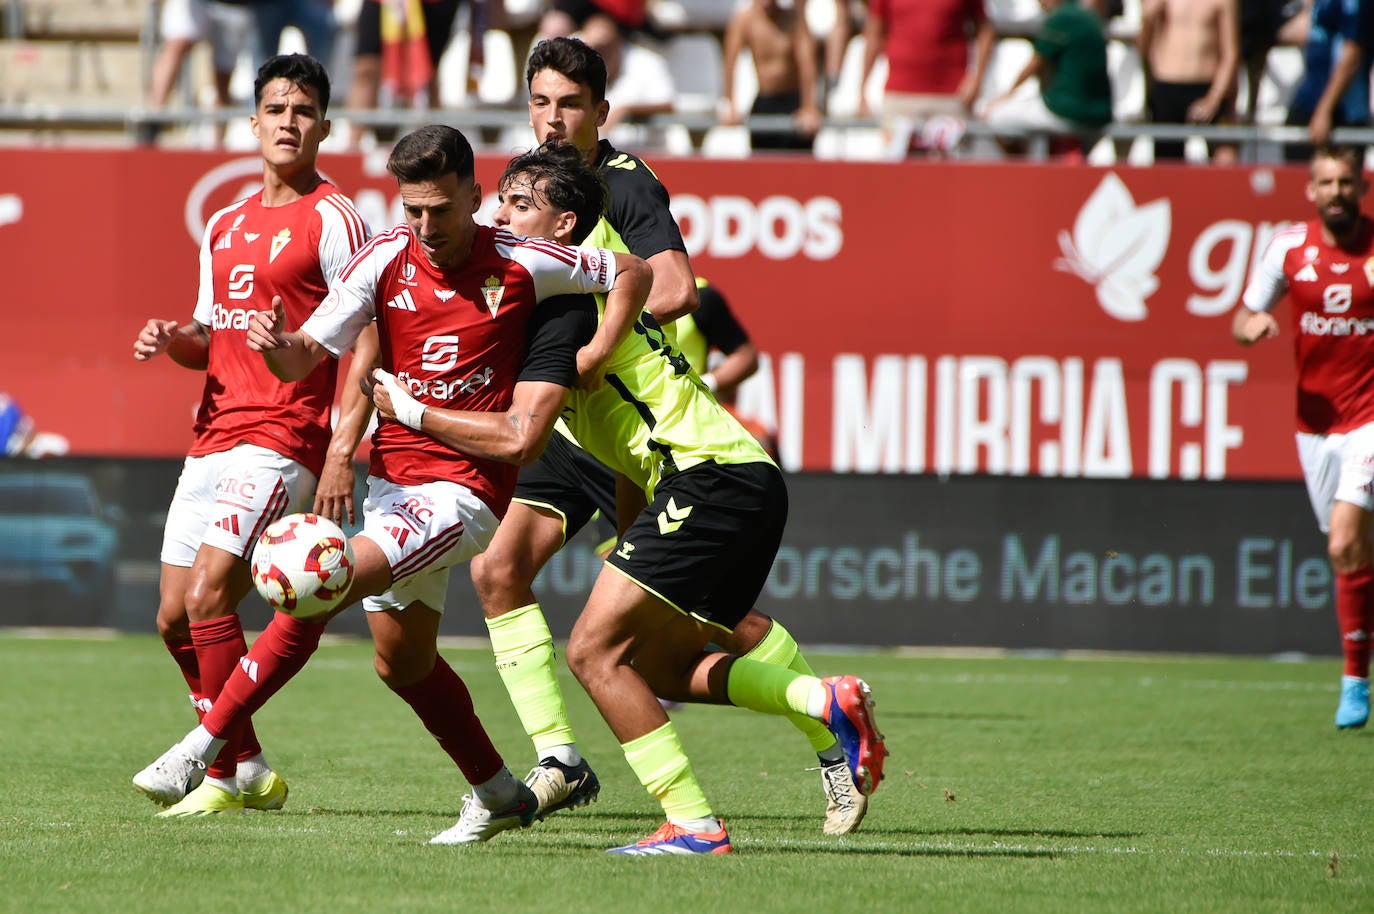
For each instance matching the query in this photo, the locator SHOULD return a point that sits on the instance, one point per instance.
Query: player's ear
(563, 227)
(325, 126)
(476, 197)
(253, 123)
(1311, 191)
(603, 110)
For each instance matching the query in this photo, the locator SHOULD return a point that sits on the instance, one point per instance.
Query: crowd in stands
(901, 76)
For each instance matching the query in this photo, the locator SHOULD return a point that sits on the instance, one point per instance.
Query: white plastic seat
(844, 98)
(500, 81)
(695, 61)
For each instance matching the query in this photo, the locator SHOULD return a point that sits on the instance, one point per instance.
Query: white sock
(566, 753)
(498, 792)
(252, 769)
(202, 745)
(230, 787)
(708, 824)
(817, 701)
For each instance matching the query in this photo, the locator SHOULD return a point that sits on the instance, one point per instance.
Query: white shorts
(1338, 468)
(227, 499)
(1026, 109)
(227, 25)
(423, 531)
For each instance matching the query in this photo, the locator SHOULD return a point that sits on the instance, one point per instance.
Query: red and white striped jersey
(456, 337)
(249, 254)
(1332, 291)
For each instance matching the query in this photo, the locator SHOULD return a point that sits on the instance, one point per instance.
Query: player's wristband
(410, 412)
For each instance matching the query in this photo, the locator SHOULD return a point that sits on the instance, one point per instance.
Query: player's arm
(1254, 319)
(808, 116)
(724, 332)
(674, 293)
(625, 301)
(334, 494)
(188, 345)
(289, 354)
(518, 435)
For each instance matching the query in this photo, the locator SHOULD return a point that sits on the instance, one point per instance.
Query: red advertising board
(916, 317)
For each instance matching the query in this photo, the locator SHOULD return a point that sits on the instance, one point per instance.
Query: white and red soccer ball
(303, 565)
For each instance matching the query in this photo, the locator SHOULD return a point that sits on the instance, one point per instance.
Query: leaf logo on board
(1116, 247)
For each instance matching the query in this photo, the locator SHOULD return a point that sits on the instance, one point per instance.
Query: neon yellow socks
(662, 767)
(779, 648)
(523, 646)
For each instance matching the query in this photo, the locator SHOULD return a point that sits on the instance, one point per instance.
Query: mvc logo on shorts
(1116, 247)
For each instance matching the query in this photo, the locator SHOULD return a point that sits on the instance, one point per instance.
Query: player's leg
(706, 544)
(619, 619)
(555, 497)
(277, 655)
(757, 637)
(420, 546)
(253, 486)
(1350, 550)
(1333, 489)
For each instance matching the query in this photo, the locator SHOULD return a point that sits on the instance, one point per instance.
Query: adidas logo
(399, 534)
(402, 302)
(230, 523)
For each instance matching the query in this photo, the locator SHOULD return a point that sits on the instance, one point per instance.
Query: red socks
(278, 654)
(1355, 616)
(219, 645)
(444, 706)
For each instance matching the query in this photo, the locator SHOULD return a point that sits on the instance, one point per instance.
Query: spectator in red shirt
(931, 70)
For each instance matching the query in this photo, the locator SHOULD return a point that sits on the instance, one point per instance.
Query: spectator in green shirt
(1070, 61)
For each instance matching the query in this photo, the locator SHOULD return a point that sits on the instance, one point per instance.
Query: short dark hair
(299, 69)
(573, 58)
(1351, 155)
(430, 152)
(570, 183)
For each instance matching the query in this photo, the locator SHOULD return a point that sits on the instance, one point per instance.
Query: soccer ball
(303, 565)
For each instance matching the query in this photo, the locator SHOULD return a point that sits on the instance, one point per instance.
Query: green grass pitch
(1015, 785)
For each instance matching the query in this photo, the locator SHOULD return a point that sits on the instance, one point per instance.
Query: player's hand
(153, 338)
(266, 329)
(591, 368)
(394, 401)
(334, 494)
(1258, 326)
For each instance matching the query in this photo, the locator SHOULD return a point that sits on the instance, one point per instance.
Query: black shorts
(707, 542)
(570, 482)
(438, 27)
(1168, 103)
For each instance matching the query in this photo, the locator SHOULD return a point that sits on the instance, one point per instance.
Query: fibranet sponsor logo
(232, 318)
(446, 388)
(1317, 325)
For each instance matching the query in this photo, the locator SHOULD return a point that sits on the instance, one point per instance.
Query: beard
(1341, 223)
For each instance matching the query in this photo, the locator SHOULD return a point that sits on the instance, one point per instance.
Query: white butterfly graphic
(1116, 248)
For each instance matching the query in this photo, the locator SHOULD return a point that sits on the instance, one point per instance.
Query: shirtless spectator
(1190, 50)
(775, 33)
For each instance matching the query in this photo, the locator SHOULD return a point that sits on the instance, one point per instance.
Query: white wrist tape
(709, 380)
(410, 412)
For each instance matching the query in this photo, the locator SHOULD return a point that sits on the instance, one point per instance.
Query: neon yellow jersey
(653, 416)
